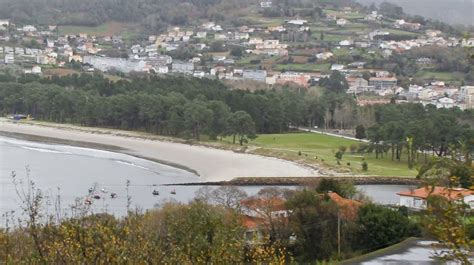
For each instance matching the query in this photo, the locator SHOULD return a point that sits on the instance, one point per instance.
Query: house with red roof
(417, 198)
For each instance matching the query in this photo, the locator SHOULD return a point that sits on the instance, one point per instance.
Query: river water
(67, 173)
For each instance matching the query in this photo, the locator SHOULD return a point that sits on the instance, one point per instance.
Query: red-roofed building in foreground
(417, 199)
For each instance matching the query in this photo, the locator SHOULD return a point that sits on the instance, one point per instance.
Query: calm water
(70, 171)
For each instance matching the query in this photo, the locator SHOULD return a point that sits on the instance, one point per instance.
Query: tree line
(416, 132)
(190, 108)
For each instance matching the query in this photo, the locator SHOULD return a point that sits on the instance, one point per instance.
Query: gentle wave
(43, 150)
(123, 162)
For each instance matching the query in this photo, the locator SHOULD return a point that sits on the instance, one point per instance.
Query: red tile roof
(450, 193)
(251, 222)
(348, 208)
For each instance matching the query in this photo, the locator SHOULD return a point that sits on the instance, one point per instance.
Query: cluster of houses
(155, 54)
(383, 84)
(259, 214)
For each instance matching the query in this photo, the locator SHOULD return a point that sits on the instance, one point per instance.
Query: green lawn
(309, 67)
(106, 29)
(317, 149)
(401, 32)
(443, 76)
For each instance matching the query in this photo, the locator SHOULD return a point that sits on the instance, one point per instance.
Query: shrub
(365, 166)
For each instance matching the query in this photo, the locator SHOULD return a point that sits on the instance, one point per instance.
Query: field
(320, 149)
(106, 29)
(443, 76)
(309, 67)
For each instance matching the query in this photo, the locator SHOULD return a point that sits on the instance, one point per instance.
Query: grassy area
(399, 32)
(443, 76)
(303, 67)
(320, 149)
(106, 29)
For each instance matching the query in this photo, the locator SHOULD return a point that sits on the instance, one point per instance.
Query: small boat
(91, 190)
(97, 197)
(113, 195)
(103, 190)
(155, 192)
(88, 201)
(173, 191)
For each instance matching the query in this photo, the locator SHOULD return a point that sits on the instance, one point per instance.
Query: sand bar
(211, 164)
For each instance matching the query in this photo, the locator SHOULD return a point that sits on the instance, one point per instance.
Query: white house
(9, 59)
(445, 102)
(341, 22)
(36, 70)
(162, 69)
(266, 4)
(467, 42)
(417, 198)
(28, 28)
(337, 67)
(4, 22)
(297, 22)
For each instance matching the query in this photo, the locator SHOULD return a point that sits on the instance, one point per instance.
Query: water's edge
(96, 146)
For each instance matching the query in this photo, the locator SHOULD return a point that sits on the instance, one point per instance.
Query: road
(312, 130)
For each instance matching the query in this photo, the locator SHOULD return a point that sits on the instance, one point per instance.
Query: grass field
(443, 76)
(303, 67)
(106, 29)
(320, 149)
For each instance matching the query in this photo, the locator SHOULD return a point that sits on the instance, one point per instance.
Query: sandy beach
(210, 164)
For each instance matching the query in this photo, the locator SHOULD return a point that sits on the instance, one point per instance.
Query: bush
(365, 166)
(342, 148)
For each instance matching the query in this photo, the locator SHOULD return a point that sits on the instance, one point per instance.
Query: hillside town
(273, 55)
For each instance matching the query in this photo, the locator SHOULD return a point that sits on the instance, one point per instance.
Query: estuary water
(65, 174)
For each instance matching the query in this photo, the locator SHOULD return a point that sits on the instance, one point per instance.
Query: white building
(9, 59)
(162, 69)
(28, 28)
(297, 22)
(266, 4)
(4, 22)
(417, 199)
(341, 22)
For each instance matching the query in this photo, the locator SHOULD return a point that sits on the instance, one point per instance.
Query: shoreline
(95, 146)
(209, 163)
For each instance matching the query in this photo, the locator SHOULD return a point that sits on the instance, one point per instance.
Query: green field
(106, 29)
(320, 149)
(309, 67)
(443, 76)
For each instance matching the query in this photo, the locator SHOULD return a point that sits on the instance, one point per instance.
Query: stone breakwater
(307, 181)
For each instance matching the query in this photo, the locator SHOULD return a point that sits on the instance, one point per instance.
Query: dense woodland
(190, 108)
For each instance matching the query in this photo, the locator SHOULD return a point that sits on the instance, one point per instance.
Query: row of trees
(415, 131)
(190, 107)
(176, 106)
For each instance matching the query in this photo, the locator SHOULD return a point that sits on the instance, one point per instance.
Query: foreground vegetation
(212, 229)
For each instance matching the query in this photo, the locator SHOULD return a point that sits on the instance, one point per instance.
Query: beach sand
(209, 163)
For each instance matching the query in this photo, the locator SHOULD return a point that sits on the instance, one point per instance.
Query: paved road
(306, 129)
